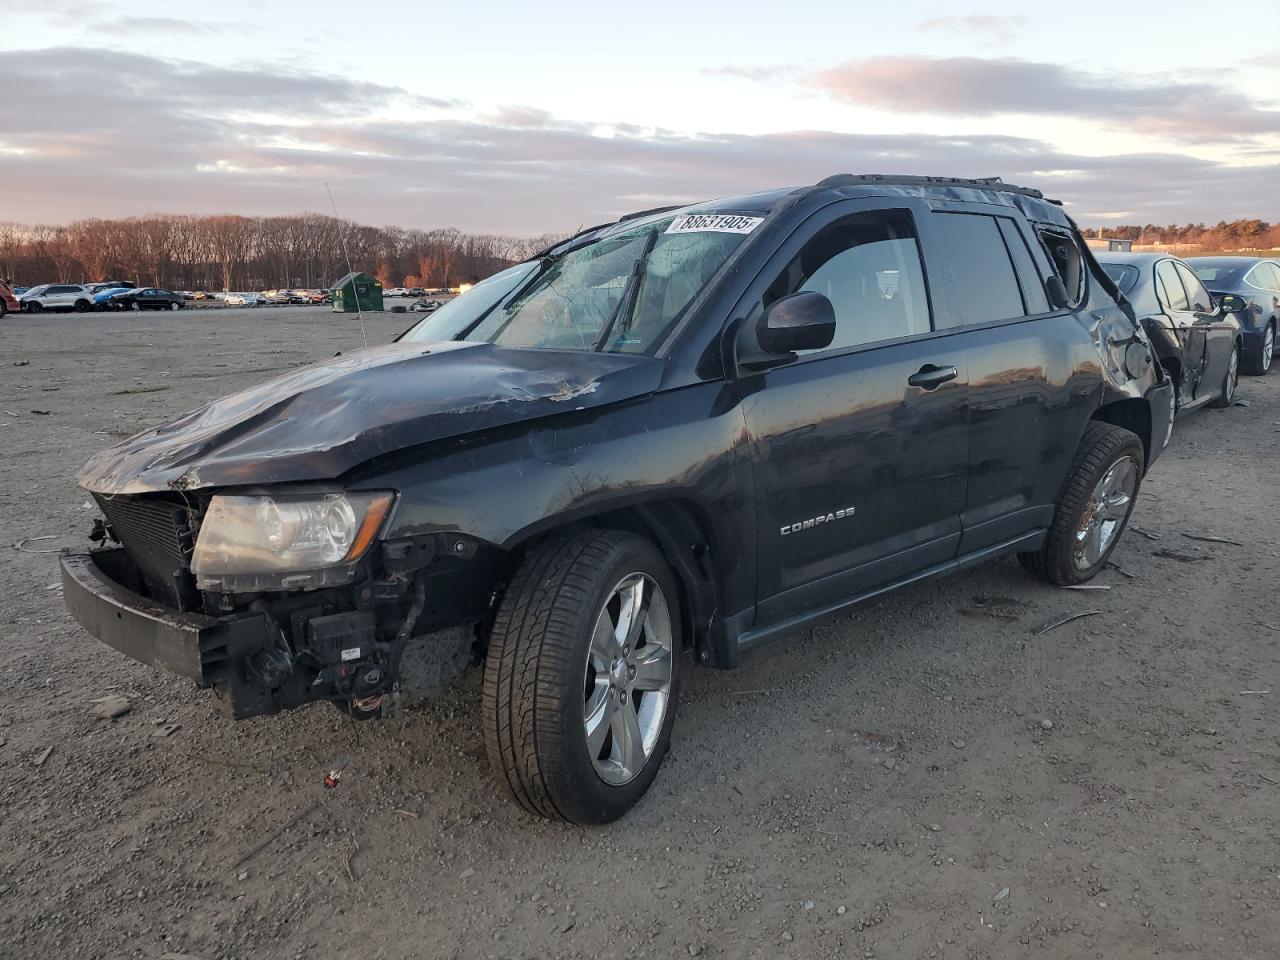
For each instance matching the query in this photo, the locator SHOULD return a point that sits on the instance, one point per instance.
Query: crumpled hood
(318, 422)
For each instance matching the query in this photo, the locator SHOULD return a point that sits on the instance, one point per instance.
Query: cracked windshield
(619, 294)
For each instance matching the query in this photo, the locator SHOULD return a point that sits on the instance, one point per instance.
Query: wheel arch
(1132, 414)
(682, 531)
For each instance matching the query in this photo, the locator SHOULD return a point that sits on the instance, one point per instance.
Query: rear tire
(1258, 364)
(134, 305)
(568, 665)
(1227, 393)
(1094, 507)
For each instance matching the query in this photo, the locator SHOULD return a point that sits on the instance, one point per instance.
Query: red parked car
(8, 302)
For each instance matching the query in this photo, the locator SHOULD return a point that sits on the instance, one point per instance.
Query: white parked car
(57, 296)
(244, 299)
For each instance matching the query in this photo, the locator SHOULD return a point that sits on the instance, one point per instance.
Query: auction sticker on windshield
(713, 222)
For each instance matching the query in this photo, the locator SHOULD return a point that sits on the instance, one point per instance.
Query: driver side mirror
(804, 320)
(1230, 303)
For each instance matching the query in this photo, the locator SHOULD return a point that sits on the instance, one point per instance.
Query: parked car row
(1207, 318)
(123, 295)
(82, 298)
(276, 298)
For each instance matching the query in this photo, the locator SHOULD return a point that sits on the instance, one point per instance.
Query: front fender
(507, 487)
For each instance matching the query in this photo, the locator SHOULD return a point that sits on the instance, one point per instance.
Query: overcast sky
(543, 116)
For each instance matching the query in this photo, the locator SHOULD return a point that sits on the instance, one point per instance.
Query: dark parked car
(1195, 338)
(424, 305)
(687, 432)
(1257, 282)
(148, 298)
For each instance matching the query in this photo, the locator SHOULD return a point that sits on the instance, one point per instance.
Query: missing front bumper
(208, 650)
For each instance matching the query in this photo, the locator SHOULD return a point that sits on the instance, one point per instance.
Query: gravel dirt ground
(929, 776)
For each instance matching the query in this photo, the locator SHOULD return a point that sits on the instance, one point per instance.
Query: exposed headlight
(285, 542)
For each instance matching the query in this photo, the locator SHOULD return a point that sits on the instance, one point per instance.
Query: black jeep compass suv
(664, 440)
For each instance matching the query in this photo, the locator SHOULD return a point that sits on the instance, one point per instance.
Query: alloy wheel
(1105, 513)
(1233, 376)
(627, 684)
(1268, 347)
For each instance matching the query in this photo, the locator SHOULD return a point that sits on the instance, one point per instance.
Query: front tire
(1259, 364)
(1094, 507)
(1227, 393)
(581, 677)
(35, 306)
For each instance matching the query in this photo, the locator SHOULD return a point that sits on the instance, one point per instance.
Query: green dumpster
(356, 288)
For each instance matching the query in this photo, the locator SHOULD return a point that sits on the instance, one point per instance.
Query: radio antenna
(350, 270)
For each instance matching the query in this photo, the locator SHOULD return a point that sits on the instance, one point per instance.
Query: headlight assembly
(287, 541)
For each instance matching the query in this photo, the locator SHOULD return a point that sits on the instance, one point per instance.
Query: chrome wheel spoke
(598, 722)
(653, 668)
(1091, 549)
(1117, 504)
(633, 612)
(628, 741)
(603, 645)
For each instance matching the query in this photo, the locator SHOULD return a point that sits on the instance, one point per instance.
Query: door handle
(930, 377)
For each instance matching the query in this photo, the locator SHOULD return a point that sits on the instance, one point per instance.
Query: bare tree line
(181, 252)
(1224, 236)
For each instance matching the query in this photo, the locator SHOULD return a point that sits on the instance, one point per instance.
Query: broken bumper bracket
(205, 649)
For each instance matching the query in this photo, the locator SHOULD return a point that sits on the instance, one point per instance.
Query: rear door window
(1199, 297)
(1033, 296)
(1169, 287)
(1266, 276)
(982, 277)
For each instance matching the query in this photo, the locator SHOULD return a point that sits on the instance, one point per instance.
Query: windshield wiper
(625, 302)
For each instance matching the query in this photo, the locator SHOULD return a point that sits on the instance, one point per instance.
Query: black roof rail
(982, 183)
(645, 213)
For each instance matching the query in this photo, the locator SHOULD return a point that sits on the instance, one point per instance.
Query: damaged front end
(231, 552)
(278, 599)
